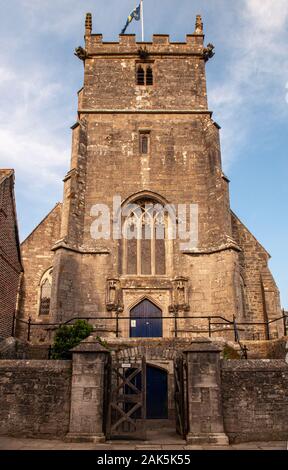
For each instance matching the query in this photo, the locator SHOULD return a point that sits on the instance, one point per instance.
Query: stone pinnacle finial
(199, 25)
(88, 23)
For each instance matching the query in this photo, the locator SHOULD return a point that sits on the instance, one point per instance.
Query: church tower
(145, 136)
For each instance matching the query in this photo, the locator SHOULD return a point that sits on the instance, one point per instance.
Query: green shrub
(69, 336)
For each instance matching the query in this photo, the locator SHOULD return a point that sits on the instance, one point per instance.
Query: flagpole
(142, 19)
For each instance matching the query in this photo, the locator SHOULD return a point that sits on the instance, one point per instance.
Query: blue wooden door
(156, 393)
(144, 322)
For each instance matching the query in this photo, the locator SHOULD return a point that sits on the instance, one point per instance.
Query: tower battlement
(128, 74)
(160, 44)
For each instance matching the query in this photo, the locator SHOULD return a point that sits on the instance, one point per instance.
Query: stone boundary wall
(255, 400)
(35, 398)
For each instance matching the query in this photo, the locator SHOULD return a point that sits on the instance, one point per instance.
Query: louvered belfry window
(140, 76)
(149, 76)
(144, 75)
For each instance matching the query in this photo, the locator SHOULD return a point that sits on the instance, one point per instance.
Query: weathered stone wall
(12, 348)
(37, 259)
(273, 349)
(10, 262)
(179, 175)
(261, 292)
(175, 168)
(15, 348)
(255, 400)
(177, 82)
(35, 398)
(36, 395)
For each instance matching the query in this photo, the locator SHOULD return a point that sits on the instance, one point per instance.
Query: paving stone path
(11, 443)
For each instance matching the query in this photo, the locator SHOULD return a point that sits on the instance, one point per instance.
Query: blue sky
(247, 90)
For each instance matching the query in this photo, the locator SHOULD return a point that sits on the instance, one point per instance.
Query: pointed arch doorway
(146, 320)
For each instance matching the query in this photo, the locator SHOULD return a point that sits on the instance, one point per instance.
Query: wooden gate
(126, 400)
(181, 404)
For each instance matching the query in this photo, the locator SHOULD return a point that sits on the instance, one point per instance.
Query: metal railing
(215, 324)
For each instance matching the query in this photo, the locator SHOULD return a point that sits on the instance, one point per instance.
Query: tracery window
(145, 243)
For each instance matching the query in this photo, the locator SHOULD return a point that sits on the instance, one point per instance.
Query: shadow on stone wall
(13, 348)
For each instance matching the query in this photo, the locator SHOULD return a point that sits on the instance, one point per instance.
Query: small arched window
(149, 76)
(140, 76)
(144, 142)
(45, 293)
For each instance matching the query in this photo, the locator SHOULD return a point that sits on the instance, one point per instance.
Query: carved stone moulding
(114, 295)
(179, 301)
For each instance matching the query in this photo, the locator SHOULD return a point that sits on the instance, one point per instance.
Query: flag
(135, 14)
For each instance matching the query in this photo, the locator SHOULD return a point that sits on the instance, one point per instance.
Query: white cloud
(6, 75)
(41, 161)
(254, 72)
(37, 153)
(267, 15)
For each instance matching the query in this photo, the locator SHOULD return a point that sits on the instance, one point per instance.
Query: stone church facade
(145, 246)
(144, 133)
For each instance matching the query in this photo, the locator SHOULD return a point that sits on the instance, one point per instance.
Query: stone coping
(35, 363)
(254, 365)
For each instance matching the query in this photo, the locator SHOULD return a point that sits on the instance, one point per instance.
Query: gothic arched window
(145, 242)
(45, 293)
